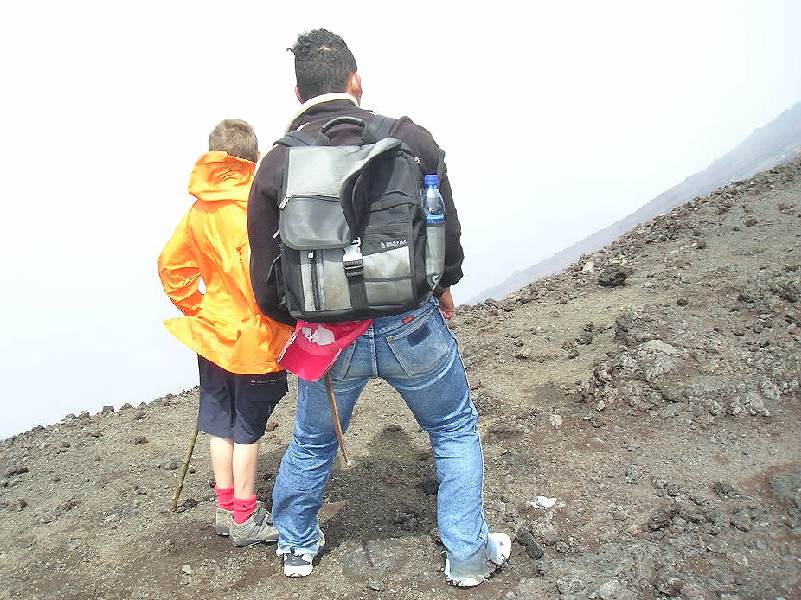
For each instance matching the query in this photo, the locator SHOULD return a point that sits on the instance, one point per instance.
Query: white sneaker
(499, 547)
(298, 563)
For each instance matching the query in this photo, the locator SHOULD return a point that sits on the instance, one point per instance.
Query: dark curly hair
(323, 63)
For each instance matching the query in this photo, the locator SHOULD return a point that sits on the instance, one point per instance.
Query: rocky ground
(641, 418)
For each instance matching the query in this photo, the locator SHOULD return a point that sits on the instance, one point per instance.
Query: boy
(240, 379)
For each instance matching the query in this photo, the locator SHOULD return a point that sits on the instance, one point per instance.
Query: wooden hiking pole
(335, 416)
(184, 467)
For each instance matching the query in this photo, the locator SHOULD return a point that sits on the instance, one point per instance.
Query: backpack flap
(312, 215)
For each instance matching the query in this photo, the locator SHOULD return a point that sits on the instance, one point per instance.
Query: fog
(557, 121)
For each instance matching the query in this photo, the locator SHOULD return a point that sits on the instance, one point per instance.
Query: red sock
(243, 509)
(225, 497)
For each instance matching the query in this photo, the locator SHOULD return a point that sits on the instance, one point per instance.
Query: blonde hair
(236, 137)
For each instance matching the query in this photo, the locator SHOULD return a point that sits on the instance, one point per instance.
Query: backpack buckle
(352, 259)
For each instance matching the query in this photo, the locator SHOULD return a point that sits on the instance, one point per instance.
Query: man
(240, 378)
(414, 352)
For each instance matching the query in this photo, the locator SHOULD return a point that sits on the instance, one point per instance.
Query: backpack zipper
(316, 266)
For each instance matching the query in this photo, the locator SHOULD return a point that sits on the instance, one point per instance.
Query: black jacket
(265, 195)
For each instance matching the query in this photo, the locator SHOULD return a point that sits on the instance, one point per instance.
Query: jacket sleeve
(454, 253)
(421, 141)
(179, 271)
(264, 249)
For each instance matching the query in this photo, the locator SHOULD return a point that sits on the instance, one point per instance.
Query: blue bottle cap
(431, 180)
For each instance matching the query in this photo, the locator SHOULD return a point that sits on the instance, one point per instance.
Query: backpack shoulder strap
(441, 164)
(297, 138)
(378, 128)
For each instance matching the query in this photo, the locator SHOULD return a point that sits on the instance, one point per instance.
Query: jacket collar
(316, 101)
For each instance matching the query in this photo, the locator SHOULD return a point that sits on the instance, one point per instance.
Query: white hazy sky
(558, 118)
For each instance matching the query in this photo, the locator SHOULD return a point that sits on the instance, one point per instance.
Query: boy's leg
(244, 460)
(234, 466)
(222, 452)
(255, 398)
(215, 417)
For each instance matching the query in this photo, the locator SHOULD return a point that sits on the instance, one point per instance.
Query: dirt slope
(641, 423)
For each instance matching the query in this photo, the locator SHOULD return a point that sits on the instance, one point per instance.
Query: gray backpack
(352, 232)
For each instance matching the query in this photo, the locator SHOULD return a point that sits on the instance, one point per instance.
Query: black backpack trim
(366, 234)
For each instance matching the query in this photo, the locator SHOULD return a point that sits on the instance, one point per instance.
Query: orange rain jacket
(210, 246)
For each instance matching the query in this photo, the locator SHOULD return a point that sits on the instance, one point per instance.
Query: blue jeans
(416, 353)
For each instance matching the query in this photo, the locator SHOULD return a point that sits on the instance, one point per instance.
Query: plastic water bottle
(433, 204)
(434, 208)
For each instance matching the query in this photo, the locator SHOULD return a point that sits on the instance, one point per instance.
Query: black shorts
(236, 407)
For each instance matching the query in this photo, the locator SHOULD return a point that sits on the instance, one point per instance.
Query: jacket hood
(219, 176)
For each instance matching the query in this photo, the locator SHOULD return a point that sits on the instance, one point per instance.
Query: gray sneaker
(223, 519)
(258, 528)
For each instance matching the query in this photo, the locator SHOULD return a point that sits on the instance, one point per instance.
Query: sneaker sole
(298, 570)
(465, 583)
(246, 543)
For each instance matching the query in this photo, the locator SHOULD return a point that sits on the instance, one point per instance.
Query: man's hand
(446, 304)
